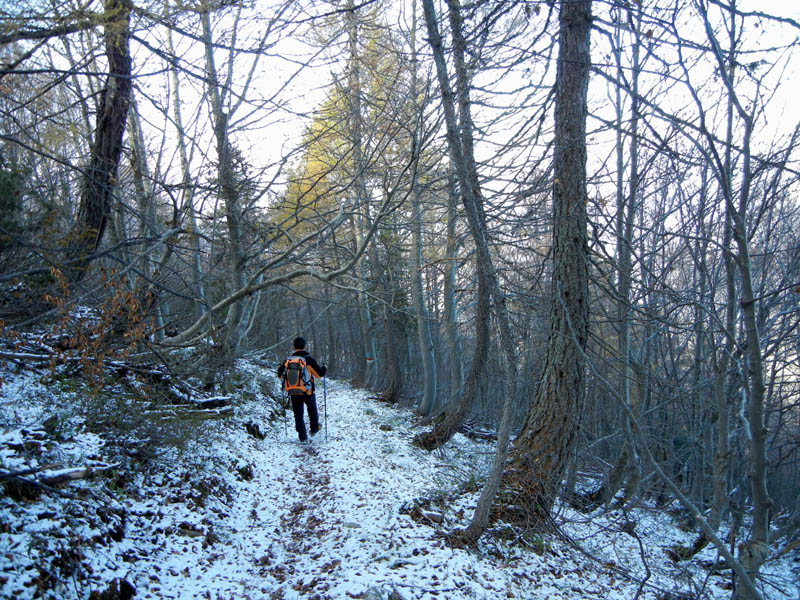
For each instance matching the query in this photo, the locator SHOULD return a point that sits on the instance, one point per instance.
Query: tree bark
(509, 387)
(542, 449)
(424, 338)
(100, 176)
(393, 382)
(187, 183)
(226, 183)
(149, 219)
(625, 220)
(628, 464)
(454, 349)
(361, 222)
(459, 407)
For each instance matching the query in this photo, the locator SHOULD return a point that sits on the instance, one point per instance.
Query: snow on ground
(233, 516)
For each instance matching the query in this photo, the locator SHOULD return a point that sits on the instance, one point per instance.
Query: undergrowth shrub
(89, 338)
(92, 347)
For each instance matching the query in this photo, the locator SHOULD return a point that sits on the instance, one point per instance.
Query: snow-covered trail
(226, 516)
(325, 521)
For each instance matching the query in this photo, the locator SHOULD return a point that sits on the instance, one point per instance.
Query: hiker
(297, 373)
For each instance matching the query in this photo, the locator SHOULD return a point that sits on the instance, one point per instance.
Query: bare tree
(424, 338)
(542, 449)
(112, 112)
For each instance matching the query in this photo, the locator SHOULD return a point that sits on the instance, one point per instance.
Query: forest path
(324, 520)
(333, 514)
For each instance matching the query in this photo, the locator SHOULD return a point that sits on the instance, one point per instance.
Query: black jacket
(318, 370)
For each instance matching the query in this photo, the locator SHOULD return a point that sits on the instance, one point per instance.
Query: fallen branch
(215, 402)
(434, 517)
(74, 474)
(24, 472)
(476, 433)
(24, 485)
(26, 356)
(186, 410)
(65, 475)
(212, 413)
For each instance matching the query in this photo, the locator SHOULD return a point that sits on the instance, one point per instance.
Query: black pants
(313, 416)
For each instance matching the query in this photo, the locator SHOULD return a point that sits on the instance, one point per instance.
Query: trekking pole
(325, 405)
(283, 406)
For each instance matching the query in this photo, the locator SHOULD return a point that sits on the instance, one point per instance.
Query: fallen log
(22, 488)
(435, 517)
(53, 478)
(215, 402)
(213, 413)
(25, 472)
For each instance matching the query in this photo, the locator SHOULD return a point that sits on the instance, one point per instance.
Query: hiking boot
(314, 431)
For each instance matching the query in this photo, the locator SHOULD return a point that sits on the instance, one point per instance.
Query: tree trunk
(372, 362)
(454, 350)
(189, 208)
(628, 462)
(508, 390)
(721, 464)
(147, 214)
(754, 551)
(459, 407)
(355, 330)
(542, 450)
(331, 353)
(393, 384)
(702, 408)
(626, 217)
(463, 160)
(424, 338)
(100, 176)
(227, 189)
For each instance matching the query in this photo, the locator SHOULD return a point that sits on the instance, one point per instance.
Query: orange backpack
(296, 378)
